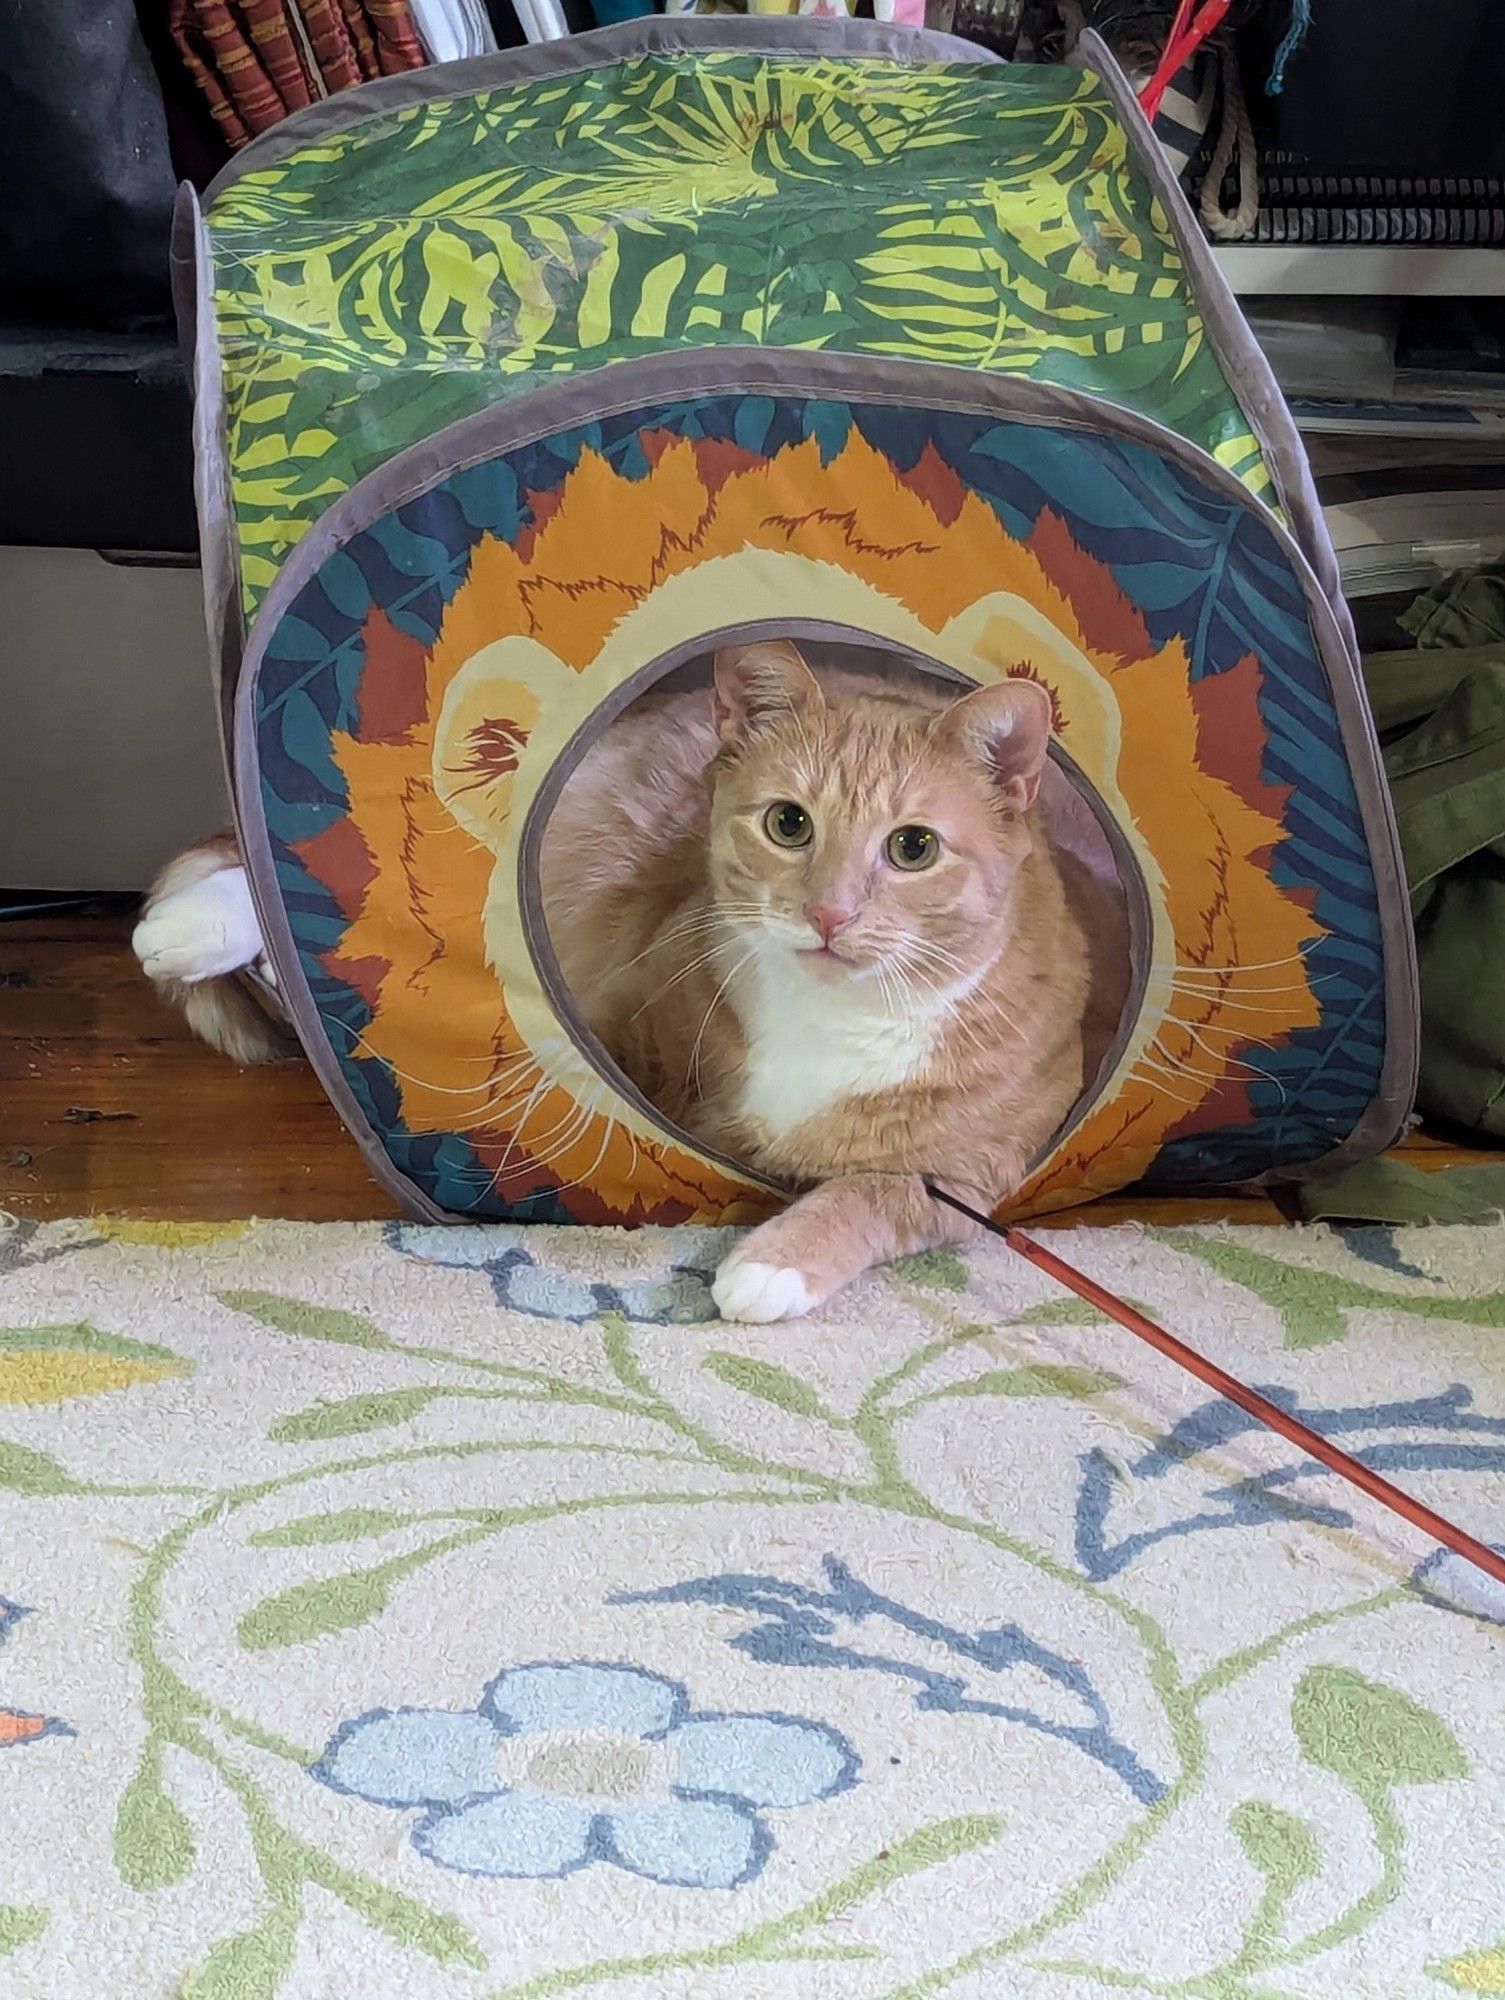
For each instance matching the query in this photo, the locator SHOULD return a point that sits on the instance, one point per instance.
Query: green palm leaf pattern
(386, 280)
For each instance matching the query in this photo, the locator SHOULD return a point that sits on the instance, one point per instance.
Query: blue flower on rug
(561, 1765)
(1469, 1441)
(524, 1281)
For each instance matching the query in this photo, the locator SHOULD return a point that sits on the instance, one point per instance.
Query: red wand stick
(1259, 1407)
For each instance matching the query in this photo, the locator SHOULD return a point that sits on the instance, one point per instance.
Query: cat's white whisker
(1233, 1062)
(1162, 1079)
(518, 1122)
(362, 1042)
(700, 923)
(1183, 1068)
(583, 1178)
(565, 1133)
(1225, 1004)
(547, 1148)
(1226, 989)
(705, 958)
(742, 964)
(1234, 1032)
(1233, 965)
(503, 1084)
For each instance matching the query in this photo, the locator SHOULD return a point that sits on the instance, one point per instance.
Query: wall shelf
(1362, 270)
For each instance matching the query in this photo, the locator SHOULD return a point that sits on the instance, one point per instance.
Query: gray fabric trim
(182, 271)
(654, 35)
(1252, 382)
(628, 385)
(219, 548)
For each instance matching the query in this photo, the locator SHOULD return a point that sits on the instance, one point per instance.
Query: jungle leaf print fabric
(465, 1614)
(389, 278)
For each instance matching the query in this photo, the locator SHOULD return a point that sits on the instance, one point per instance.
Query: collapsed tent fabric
(525, 381)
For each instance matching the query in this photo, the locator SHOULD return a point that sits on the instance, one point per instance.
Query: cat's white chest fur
(813, 1042)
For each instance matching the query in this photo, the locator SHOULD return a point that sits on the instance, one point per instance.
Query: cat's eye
(914, 847)
(788, 825)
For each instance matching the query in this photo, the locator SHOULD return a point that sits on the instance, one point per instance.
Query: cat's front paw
(759, 1294)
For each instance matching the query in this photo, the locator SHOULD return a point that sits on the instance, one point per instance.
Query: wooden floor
(107, 1107)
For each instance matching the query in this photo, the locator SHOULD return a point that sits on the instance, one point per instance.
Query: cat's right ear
(758, 683)
(1006, 728)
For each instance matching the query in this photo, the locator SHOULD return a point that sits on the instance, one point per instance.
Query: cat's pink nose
(828, 920)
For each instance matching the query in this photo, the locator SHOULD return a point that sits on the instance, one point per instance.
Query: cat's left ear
(758, 683)
(1006, 728)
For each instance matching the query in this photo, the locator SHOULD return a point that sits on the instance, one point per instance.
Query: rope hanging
(1235, 141)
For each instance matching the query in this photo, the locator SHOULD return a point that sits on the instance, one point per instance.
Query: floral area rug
(467, 1615)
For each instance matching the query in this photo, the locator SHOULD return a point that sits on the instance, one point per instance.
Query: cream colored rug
(461, 1616)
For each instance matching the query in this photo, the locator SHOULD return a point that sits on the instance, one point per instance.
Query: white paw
(760, 1293)
(201, 932)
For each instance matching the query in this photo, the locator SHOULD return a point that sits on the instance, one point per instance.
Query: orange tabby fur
(968, 1004)
(947, 1026)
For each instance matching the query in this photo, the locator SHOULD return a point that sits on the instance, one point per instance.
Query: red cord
(1186, 36)
(1437, 1526)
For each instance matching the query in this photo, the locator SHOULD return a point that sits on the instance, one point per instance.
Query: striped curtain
(257, 60)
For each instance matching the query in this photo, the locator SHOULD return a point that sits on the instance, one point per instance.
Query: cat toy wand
(1437, 1526)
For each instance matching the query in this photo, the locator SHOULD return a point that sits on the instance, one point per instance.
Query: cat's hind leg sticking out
(198, 931)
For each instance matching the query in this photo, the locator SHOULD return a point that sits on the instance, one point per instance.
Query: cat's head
(860, 836)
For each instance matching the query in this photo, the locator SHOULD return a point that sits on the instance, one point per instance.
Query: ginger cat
(826, 925)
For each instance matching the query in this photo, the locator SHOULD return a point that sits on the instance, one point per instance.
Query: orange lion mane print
(449, 751)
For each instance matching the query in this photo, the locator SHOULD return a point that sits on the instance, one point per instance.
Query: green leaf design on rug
(48, 1364)
(19, 1926)
(1371, 1736)
(352, 1415)
(306, 1322)
(1475, 1971)
(928, 1847)
(1312, 1304)
(859, 1909)
(444, 1939)
(769, 1383)
(940, 1270)
(33, 1473)
(249, 1966)
(312, 1609)
(1037, 1378)
(1285, 1851)
(1283, 1848)
(154, 1845)
(344, 1524)
(1067, 1312)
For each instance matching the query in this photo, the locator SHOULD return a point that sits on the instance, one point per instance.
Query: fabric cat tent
(525, 381)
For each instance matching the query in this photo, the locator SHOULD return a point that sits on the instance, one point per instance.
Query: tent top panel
(396, 262)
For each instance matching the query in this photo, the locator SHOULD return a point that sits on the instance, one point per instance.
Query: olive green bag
(1441, 715)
